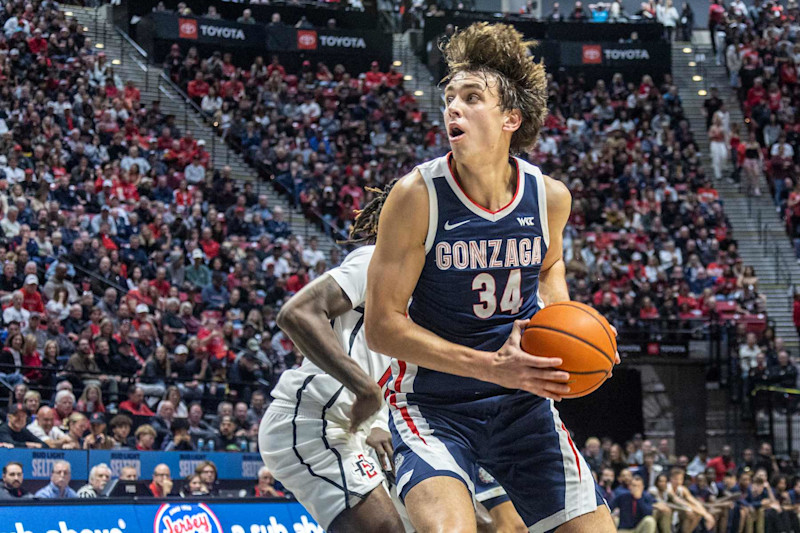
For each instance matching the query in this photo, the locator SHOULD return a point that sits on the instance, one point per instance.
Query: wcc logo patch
(186, 518)
(364, 467)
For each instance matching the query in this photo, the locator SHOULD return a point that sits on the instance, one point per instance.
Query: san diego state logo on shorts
(186, 518)
(365, 467)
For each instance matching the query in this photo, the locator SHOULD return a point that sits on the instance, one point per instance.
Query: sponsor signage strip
(170, 517)
(276, 39)
(614, 55)
(653, 349)
(37, 464)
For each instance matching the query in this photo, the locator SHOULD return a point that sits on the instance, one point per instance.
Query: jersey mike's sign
(174, 516)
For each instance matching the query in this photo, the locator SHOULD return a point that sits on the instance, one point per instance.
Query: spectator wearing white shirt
(211, 102)
(132, 158)
(547, 144)
(195, 172)
(747, 354)
(15, 312)
(669, 256)
(44, 427)
(10, 225)
(16, 24)
(14, 174)
(667, 15)
(278, 261)
(788, 151)
(104, 216)
(309, 108)
(311, 255)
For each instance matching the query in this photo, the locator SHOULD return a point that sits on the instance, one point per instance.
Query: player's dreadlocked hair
(365, 226)
(501, 51)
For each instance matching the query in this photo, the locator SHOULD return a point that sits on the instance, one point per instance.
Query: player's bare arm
(552, 277)
(306, 318)
(394, 271)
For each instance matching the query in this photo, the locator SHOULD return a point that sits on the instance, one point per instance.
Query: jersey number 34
(510, 302)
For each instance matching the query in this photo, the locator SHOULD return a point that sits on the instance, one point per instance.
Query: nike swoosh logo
(448, 226)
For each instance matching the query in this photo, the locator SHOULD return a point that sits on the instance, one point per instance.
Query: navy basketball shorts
(488, 491)
(518, 438)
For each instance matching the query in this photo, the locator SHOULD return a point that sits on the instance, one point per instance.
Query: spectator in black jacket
(12, 482)
(15, 432)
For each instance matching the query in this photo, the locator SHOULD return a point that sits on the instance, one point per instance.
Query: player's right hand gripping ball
(581, 337)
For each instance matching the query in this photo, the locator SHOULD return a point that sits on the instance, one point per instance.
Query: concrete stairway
(131, 63)
(760, 233)
(417, 78)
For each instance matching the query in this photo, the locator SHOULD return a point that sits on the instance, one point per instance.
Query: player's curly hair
(365, 227)
(500, 51)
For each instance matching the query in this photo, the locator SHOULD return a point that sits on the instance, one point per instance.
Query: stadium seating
(140, 280)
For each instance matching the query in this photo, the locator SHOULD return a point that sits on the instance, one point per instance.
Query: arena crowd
(141, 282)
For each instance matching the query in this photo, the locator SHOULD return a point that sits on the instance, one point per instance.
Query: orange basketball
(580, 336)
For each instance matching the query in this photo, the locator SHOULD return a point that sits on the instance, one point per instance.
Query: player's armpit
(552, 277)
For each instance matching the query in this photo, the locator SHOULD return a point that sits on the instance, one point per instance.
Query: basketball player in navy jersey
(315, 435)
(474, 241)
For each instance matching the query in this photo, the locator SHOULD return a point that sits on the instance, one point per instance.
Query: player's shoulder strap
(431, 170)
(530, 171)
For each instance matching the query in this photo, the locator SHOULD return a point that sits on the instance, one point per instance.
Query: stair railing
(134, 50)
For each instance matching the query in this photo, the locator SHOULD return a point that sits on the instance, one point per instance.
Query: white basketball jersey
(309, 388)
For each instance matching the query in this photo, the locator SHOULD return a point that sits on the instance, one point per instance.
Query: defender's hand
(366, 405)
(513, 368)
(381, 441)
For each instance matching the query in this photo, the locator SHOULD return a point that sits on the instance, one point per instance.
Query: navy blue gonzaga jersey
(481, 273)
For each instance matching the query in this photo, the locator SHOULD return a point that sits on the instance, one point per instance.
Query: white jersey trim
(475, 208)
(433, 203)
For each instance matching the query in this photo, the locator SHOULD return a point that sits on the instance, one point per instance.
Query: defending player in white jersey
(315, 435)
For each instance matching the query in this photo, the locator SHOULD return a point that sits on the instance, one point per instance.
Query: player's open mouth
(455, 133)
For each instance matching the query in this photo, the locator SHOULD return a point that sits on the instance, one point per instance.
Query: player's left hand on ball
(366, 404)
(381, 441)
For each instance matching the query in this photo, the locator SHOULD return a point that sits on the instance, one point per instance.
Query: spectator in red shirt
(796, 312)
(354, 191)
(648, 310)
(209, 245)
(394, 78)
(31, 299)
(165, 139)
(275, 66)
(198, 87)
(297, 281)
(132, 94)
(374, 77)
(37, 44)
(233, 88)
(723, 463)
(756, 94)
(135, 403)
